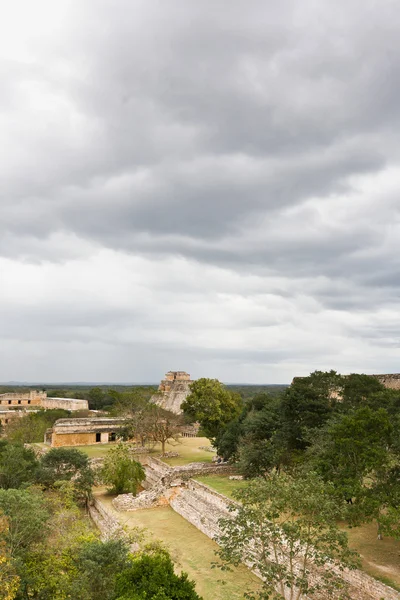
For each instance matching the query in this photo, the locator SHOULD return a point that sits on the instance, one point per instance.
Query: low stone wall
(105, 520)
(203, 507)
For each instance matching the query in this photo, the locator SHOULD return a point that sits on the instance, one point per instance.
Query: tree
(98, 564)
(307, 405)
(286, 529)
(354, 453)
(67, 464)
(32, 427)
(152, 577)
(212, 405)
(18, 465)
(164, 426)
(27, 518)
(121, 471)
(96, 398)
(9, 580)
(358, 388)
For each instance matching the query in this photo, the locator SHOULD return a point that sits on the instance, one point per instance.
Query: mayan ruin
(173, 390)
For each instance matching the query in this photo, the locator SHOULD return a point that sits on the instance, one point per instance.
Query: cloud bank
(208, 186)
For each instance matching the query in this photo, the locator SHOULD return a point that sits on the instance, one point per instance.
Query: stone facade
(173, 390)
(39, 399)
(8, 415)
(392, 382)
(81, 432)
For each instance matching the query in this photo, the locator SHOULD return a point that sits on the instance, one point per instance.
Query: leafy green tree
(358, 389)
(284, 527)
(212, 405)
(98, 564)
(67, 464)
(18, 465)
(152, 577)
(27, 516)
(121, 471)
(307, 405)
(355, 448)
(354, 452)
(96, 398)
(32, 427)
(9, 580)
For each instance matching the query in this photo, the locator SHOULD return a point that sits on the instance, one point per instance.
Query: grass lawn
(380, 558)
(192, 551)
(188, 448)
(221, 483)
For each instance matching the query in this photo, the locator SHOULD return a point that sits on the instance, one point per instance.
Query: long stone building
(82, 432)
(173, 391)
(39, 399)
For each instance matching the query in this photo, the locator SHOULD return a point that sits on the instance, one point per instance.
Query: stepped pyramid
(173, 390)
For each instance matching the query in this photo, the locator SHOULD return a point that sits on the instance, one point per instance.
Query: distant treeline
(103, 397)
(249, 391)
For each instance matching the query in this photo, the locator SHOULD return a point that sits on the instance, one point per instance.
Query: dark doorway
(98, 437)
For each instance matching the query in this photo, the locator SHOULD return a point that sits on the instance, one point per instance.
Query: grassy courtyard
(221, 483)
(192, 551)
(188, 449)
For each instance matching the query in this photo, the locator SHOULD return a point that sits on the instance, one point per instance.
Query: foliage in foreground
(152, 576)
(286, 527)
(121, 472)
(49, 550)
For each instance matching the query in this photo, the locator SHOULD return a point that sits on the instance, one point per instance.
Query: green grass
(192, 552)
(222, 484)
(94, 451)
(380, 558)
(188, 449)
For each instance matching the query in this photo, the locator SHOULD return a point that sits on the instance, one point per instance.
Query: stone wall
(162, 482)
(203, 507)
(65, 403)
(40, 399)
(105, 520)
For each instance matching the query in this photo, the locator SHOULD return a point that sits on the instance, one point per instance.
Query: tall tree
(359, 388)
(67, 464)
(307, 405)
(121, 471)
(354, 452)
(27, 516)
(212, 405)
(9, 580)
(286, 527)
(18, 465)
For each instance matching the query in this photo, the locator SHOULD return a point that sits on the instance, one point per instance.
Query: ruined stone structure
(80, 432)
(39, 399)
(203, 507)
(8, 415)
(173, 390)
(392, 382)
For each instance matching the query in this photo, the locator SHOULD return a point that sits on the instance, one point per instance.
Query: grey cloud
(229, 135)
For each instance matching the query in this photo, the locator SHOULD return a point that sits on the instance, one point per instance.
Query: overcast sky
(201, 185)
